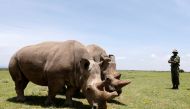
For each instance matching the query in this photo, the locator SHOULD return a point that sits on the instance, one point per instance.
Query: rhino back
(96, 52)
(50, 60)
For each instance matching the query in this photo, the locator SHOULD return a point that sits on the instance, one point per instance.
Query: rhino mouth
(99, 91)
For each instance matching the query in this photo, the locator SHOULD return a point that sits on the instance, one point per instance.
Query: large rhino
(108, 68)
(56, 64)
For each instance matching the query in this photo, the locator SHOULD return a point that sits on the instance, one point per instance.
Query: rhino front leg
(69, 94)
(53, 88)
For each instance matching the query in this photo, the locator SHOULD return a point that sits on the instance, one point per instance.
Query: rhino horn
(121, 83)
(117, 75)
(104, 95)
(109, 95)
(100, 92)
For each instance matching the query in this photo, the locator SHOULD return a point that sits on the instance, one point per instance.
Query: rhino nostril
(89, 87)
(95, 106)
(108, 79)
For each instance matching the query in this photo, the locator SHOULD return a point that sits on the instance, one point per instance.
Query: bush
(181, 71)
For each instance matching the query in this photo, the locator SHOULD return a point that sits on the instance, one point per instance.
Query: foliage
(181, 71)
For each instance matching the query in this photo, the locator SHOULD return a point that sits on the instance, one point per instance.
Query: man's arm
(170, 61)
(177, 60)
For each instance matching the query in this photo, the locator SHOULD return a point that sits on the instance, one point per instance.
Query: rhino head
(108, 69)
(94, 88)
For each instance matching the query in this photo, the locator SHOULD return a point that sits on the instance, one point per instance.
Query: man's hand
(171, 61)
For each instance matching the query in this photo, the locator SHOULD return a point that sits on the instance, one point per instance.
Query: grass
(148, 90)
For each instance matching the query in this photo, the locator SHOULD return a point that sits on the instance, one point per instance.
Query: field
(148, 90)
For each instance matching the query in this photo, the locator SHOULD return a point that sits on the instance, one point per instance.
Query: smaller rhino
(108, 68)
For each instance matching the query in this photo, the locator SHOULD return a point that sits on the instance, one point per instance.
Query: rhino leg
(53, 88)
(18, 77)
(20, 86)
(69, 94)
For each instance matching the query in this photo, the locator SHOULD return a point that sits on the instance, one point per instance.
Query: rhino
(56, 64)
(108, 68)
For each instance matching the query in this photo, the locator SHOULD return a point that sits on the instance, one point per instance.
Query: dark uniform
(175, 63)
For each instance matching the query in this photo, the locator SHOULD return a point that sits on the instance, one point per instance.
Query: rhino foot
(49, 102)
(20, 98)
(69, 103)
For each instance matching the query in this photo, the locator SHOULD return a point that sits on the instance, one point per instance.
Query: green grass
(148, 90)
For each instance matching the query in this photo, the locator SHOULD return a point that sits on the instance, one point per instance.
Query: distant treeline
(3, 69)
(152, 71)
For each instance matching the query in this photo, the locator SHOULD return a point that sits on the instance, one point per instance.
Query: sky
(140, 33)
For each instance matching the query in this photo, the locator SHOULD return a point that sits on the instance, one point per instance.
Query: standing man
(175, 63)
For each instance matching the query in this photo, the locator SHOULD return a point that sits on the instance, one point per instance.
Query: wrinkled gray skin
(56, 64)
(108, 68)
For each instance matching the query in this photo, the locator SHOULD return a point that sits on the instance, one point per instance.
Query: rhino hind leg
(19, 87)
(18, 77)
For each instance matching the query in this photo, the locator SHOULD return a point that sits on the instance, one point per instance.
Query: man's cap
(174, 51)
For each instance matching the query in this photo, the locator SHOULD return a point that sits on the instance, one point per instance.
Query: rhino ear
(85, 63)
(112, 57)
(104, 63)
(105, 58)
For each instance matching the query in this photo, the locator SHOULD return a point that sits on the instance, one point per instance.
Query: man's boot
(176, 87)
(173, 87)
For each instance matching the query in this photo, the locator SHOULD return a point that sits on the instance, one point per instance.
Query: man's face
(175, 53)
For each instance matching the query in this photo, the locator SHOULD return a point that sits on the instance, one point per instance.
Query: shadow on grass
(169, 88)
(39, 101)
(188, 89)
(116, 102)
(77, 95)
